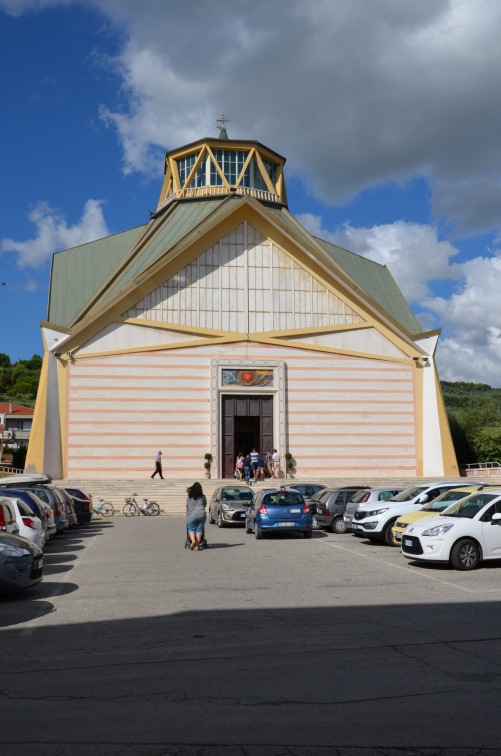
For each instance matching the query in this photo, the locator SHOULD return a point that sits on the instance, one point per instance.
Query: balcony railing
(219, 191)
(481, 469)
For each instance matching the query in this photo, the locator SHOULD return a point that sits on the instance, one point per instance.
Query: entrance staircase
(171, 493)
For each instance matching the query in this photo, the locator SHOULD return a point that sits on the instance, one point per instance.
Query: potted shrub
(207, 464)
(289, 464)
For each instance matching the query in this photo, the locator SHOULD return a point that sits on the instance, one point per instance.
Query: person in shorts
(196, 515)
(254, 455)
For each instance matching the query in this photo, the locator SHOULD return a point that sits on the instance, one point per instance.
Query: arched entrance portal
(247, 422)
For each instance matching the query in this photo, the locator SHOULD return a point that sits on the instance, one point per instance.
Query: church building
(221, 325)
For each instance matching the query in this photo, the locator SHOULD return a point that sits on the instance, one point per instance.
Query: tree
(487, 443)
(4, 360)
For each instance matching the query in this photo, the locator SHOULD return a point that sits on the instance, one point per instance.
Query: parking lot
(133, 644)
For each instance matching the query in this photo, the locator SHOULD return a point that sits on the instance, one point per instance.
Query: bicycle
(132, 508)
(104, 508)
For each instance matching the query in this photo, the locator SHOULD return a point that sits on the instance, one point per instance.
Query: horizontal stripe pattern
(343, 413)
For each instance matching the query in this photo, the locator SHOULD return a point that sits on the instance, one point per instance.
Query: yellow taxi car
(432, 508)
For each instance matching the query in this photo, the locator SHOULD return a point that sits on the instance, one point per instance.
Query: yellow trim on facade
(315, 330)
(172, 326)
(329, 350)
(419, 417)
(196, 165)
(231, 338)
(218, 169)
(62, 380)
(448, 452)
(36, 444)
(264, 173)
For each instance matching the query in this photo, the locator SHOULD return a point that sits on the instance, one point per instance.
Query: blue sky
(388, 114)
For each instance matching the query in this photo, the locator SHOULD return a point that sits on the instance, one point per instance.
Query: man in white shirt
(276, 463)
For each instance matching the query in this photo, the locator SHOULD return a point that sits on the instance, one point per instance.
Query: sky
(388, 113)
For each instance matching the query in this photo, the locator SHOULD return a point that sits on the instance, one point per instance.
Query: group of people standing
(256, 466)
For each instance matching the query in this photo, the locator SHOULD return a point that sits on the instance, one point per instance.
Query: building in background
(222, 324)
(15, 428)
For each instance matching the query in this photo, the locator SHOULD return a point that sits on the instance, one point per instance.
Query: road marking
(405, 568)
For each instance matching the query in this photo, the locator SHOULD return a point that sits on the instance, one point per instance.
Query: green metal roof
(183, 217)
(77, 273)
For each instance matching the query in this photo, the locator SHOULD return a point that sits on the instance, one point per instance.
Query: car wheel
(220, 522)
(211, 519)
(308, 533)
(465, 555)
(258, 532)
(338, 525)
(248, 529)
(387, 534)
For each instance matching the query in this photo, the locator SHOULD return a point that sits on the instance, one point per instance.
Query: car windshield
(282, 498)
(236, 494)
(470, 506)
(445, 500)
(358, 496)
(410, 493)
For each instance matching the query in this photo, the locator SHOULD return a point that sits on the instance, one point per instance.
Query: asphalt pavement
(134, 644)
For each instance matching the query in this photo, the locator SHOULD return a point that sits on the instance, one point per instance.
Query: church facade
(222, 325)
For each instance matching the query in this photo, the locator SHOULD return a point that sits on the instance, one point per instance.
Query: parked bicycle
(132, 508)
(104, 508)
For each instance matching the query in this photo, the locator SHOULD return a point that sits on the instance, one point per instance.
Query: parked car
(8, 521)
(330, 505)
(368, 496)
(37, 506)
(465, 534)
(278, 511)
(229, 504)
(432, 508)
(308, 490)
(46, 493)
(82, 504)
(21, 563)
(67, 504)
(30, 526)
(375, 521)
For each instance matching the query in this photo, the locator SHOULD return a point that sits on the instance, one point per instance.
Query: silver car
(368, 496)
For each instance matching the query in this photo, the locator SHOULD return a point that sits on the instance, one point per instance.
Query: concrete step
(171, 494)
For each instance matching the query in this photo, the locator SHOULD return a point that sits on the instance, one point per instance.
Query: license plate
(38, 563)
(242, 514)
(285, 524)
(407, 542)
(295, 511)
(398, 536)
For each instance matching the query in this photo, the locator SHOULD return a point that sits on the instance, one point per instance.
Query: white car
(464, 534)
(30, 526)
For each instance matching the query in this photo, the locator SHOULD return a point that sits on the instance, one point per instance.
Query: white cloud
(470, 317)
(355, 94)
(413, 252)
(53, 233)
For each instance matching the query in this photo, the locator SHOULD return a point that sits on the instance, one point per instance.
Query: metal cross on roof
(223, 121)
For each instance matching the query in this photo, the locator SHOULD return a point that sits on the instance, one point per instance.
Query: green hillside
(474, 411)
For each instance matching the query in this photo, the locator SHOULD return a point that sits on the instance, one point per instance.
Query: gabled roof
(78, 272)
(15, 410)
(88, 277)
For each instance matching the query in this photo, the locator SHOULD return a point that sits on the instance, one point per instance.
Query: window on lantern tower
(231, 163)
(271, 169)
(184, 166)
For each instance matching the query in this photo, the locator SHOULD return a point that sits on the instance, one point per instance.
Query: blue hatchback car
(278, 511)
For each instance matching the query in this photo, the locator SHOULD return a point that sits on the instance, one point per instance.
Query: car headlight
(376, 512)
(439, 530)
(13, 550)
(226, 507)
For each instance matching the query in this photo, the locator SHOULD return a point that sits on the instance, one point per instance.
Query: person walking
(158, 465)
(276, 463)
(247, 469)
(195, 515)
(240, 466)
